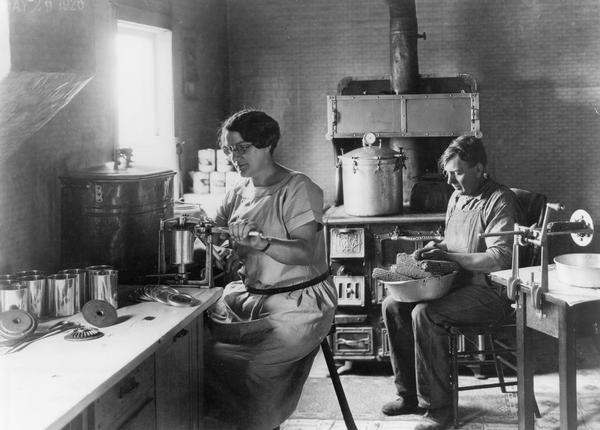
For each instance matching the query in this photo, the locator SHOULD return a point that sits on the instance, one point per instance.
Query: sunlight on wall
(4, 40)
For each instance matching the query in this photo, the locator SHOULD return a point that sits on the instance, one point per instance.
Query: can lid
(98, 267)
(72, 271)
(16, 324)
(99, 313)
(182, 300)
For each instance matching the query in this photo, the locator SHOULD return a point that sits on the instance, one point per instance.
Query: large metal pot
(372, 178)
(112, 216)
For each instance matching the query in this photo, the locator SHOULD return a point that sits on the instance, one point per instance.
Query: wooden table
(51, 381)
(567, 313)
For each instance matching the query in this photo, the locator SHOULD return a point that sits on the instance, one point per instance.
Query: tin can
(61, 291)
(201, 182)
(38, 294)
(13, 295)
(103, 285)
(80, 286)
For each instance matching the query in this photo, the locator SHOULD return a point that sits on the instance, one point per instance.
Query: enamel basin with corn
(419, 290)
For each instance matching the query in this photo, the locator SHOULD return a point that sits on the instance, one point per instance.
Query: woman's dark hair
(467, 148)
(254, 126)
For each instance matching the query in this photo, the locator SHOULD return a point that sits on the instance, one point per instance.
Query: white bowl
(420, 290)
(580, 270)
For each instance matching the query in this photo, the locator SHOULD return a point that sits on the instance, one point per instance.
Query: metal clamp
(580, 228)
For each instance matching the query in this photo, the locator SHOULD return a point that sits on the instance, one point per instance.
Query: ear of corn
(406, 265)
(438, 267)
(389, 275)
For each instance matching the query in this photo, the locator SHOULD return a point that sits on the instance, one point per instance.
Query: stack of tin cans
(57, 295)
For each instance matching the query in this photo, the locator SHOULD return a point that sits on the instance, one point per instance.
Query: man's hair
(254, 126)
(467, 148)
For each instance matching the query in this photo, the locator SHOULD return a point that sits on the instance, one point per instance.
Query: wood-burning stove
(421, 115)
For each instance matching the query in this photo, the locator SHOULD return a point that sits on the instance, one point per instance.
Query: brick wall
(536, 63)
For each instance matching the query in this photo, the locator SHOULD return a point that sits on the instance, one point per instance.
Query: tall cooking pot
(372, 178)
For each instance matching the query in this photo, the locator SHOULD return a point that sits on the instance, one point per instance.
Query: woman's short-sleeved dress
(261, 347)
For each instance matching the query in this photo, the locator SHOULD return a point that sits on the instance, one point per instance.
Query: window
(145, 94)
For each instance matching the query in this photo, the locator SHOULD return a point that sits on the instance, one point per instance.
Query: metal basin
(580, 270)
(420, 290)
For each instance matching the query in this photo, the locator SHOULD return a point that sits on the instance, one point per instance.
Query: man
(418, 338)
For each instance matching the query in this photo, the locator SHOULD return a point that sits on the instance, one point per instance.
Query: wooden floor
(407, 422)
(366, 394)
(380, 425)
(475, 407)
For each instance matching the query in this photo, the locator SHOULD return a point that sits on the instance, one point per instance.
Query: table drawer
(126, 397)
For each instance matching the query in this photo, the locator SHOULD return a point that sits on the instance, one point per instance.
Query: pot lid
(108, 172)
(373, 152)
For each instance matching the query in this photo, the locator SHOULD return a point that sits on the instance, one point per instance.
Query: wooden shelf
(337, 215)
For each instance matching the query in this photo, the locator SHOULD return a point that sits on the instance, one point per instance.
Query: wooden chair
(489, 347)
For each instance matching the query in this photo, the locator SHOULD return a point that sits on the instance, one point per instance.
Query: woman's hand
(240, 230)
(228, 260)
(298, 249)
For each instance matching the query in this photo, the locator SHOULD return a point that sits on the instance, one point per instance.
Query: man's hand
(429, 253)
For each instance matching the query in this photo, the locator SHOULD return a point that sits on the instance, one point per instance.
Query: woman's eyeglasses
(239, 148)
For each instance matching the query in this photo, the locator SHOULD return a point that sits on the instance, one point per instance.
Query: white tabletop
(51, 381)
(570, 294)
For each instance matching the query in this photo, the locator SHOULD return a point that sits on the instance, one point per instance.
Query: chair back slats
(533, 205)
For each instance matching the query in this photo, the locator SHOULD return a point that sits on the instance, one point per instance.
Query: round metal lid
(99, 313)
(107, 171)
(16, 324)
(182, 300)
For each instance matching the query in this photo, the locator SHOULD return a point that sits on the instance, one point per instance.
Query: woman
(266, 328)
